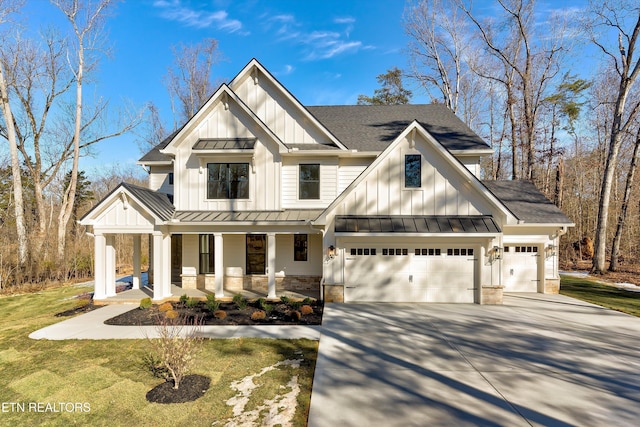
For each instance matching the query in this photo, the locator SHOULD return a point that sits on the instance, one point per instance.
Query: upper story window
(228, 181)
(309, 181)
(170, 178)
(412, 171)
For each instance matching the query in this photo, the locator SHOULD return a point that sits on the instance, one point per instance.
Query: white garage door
(520, 268)
(404, 274)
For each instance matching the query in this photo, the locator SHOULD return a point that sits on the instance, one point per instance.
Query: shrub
(306, 309)
(211, 297)
(296, 305)
(167, 306)
(258, 315)
(171, 314)
(145, 303)
(192, 303)
(260, 302)
(240, 301)
(184, 298)
(295, 315)
(220, 314)
(307, 301)
(285, 299)
(175, 349)
(212, 305)
(268, 308)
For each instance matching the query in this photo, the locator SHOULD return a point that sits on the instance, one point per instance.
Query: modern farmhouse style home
(360, 203)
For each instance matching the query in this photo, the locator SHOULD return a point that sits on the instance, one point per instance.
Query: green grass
(588, 290)
(109, 376)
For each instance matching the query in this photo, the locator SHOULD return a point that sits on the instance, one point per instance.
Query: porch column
(136, 261)
(110, 265)
(99, 291)
(218, 264)
(161, 266)
(271, 265)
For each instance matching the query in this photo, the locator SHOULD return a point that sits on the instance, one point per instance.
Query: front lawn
(586, 289)
(105, 382)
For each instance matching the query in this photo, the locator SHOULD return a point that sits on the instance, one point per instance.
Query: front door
(176, 257)
(256, 253)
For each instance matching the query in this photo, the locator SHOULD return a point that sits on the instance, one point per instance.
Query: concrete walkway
(90, 326)
(537, 360)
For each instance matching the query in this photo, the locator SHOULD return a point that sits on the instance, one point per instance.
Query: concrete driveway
(537, 360)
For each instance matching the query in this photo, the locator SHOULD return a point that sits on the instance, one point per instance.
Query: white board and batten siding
(124, 217)
(264, 161)
(277, 111)
(159, 179)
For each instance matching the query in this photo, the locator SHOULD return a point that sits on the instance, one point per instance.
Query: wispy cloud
(285, 71)
(176, 10)
(317, 44)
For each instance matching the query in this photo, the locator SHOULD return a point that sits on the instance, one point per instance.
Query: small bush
(258, 315)
(306, 309)
(296, 305)
(184, 298)
(240, 301)
(212, 306)
(145, 303)
(268, 308)
(171, 314)
(211, 297)
(307, 301)
(295, 315)
(285, 299)
(220, 314)
(167, 306)
(260, 302)
(192, 303)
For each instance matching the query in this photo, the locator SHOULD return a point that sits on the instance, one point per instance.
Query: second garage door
(403, 274)
(520, 268)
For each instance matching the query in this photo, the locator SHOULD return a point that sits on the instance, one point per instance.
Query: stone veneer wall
(491, 295)
(260, 283)
(333, 293)
(551, 286)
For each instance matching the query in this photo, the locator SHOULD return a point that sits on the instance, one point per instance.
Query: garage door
(520, 268)
(404, 274)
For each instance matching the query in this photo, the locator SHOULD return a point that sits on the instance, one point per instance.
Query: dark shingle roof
(526, 202)
(156, 202)
(154, 155)
(415, 224)
(374, 127)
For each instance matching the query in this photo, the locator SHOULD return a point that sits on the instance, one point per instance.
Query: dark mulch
(282, 314)
(84, 305)
(192, 387)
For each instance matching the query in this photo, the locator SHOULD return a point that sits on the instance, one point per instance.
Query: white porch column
(158, 270)
(136, 261)
(166, 264)
(218, 264)
(271, 265)
(110, 265)
(99, 291)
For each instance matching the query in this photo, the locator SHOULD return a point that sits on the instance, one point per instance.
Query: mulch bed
(191, 388)
(281, 314)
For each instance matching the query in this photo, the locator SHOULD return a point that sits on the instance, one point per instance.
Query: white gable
(447, 186)
(278, 109)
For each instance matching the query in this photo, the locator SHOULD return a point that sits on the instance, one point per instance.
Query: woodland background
(514, 78)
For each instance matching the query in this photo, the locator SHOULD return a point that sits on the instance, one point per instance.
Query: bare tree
(616, 17)
(437, 48)
(189, 80)
(86, 20)
(6, 8)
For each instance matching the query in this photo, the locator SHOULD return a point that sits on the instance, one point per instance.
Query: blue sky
(324, 51)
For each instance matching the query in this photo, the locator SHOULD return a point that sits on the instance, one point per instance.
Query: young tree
(618, 17)
(6, 8)
(189, 80)
(392, 91)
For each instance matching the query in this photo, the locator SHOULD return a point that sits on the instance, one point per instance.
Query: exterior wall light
(331, 251)
(496, 253)
(550, 251)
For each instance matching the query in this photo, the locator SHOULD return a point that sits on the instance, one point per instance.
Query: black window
(412, 171)
(353, 251)
(228, 181)
(170, 178)
(300, 247)
(206, 254)
(256, 253)
(373, 251)
(309, 181)
(385, 252)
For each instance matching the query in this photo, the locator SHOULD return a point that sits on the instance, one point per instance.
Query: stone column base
(491, 295)
(551, 286)
(189, 281)
(333, 293)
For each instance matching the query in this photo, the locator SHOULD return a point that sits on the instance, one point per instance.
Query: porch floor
(133, 296)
